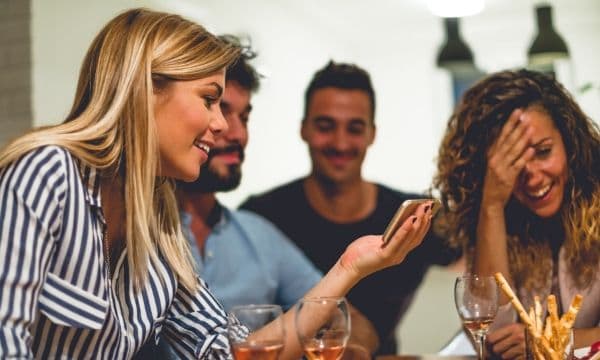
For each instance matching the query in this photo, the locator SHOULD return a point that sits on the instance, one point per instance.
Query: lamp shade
(548, 45)
(454, 53)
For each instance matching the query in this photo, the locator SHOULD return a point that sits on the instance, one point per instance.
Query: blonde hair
(111, 124)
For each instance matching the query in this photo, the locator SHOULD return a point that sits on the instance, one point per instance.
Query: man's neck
(341, 202)
(199, 206)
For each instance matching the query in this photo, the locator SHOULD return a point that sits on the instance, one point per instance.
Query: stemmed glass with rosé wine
(242, 323)
(323, 327)
(476, 300)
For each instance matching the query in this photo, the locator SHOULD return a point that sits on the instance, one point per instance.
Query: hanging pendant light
(548, 46)
(454, 55)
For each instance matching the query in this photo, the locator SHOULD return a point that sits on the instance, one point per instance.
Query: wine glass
(323, 327)
(476, 299)
(255, 332)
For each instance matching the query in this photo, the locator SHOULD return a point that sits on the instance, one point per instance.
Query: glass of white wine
(256, 332)
(323, 327)
(476, 300)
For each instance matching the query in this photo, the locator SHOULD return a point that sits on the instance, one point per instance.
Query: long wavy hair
(111, 124)
(461, 167)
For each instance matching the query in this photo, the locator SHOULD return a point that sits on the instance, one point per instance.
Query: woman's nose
(531, 175)
(218, 125)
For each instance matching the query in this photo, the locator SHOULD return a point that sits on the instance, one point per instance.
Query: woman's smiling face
(541, 185)
(188, 120)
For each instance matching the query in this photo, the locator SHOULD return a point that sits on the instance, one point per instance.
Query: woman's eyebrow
(219, 88)
(541, 141)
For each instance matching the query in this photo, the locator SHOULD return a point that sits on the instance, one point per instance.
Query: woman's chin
(189, 176)
(547, 211)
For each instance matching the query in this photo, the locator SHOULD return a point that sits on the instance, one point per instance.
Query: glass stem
(481, 341)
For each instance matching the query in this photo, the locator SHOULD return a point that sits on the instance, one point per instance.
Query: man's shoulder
(255, 224)
(388, 194)
(249, 219)
(278, 196)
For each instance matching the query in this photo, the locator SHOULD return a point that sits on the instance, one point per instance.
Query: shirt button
(209, 254)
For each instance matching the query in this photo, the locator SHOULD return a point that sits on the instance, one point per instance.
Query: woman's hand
(506, 158)
(366, 254)
(508, 342)
(355, 352)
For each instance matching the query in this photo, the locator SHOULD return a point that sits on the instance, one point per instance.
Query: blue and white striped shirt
(56, 297)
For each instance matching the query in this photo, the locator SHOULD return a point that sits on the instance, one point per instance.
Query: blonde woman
(519, 172)
(93, 260)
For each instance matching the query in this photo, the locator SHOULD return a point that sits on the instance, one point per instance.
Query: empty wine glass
(476, 299)
(256, 332)
(323, 327)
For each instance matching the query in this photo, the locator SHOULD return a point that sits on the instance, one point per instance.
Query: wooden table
(425, 357)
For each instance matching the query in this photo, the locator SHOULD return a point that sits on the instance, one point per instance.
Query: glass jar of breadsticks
(551, 339)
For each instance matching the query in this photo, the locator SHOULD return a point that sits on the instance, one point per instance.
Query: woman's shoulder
(44, 157)
(42, 167)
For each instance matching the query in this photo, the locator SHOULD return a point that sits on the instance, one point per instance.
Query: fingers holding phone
(408, 227)
(368, 254)
(408, 209)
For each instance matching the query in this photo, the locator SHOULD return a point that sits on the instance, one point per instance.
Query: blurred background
(400, 42)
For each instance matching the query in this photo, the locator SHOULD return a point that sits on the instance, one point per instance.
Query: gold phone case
(406, 209)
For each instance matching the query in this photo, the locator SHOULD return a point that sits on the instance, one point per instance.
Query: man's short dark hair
(343, 76)
(241, 71)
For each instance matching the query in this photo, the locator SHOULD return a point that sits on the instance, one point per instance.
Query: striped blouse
(56, 297)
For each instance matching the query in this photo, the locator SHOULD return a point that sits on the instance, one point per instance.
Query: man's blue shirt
(247, 260)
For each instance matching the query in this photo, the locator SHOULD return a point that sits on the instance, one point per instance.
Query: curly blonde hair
(473, 127)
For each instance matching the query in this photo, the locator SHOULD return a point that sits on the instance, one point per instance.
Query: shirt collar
(91, 181)
(217, 219)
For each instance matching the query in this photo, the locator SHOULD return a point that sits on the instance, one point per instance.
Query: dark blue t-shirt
(384, 296)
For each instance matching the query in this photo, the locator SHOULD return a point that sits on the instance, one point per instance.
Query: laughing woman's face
(541, 184)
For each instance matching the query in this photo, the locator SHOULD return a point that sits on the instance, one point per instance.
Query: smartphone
(406, 209)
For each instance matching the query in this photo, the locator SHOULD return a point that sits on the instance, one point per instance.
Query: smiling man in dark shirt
(335, 203)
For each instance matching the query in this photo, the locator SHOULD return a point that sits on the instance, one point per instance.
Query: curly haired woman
(519, 173)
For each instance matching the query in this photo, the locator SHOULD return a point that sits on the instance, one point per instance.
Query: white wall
(397, 41)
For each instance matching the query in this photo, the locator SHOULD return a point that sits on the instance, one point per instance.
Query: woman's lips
(540, 193)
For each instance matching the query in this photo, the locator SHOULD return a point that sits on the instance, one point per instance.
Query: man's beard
(211, 181)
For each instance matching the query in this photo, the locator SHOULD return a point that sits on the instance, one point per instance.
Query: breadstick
(503, 284)
(546, 349)
(548, 329)
(537, 354)
(533, 319)
(538, 314)
(554, 321)
(540, 340)
(568, 319)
